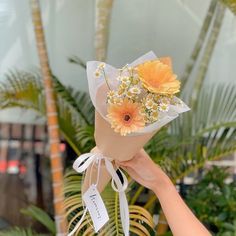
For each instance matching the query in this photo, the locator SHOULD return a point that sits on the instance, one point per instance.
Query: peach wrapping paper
(112, 145)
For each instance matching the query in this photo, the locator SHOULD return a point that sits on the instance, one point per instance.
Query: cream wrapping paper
(111, 146)
(108, 142)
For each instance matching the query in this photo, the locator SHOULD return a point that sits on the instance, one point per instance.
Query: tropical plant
(210, 133)
(215, 204)
(206, 133)
(19, 232)
(185, 128)
(75, 110)
(52, 120)
(39, 216)
(141, 222)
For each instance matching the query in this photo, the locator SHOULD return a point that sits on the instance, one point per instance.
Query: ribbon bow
(82, 163)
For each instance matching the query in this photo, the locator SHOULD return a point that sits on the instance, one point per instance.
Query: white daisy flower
(149, 103)
(164, 107)
(101, 65)
(135, 90)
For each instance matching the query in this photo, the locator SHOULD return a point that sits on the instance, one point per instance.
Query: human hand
(180, 218)
(143, 170)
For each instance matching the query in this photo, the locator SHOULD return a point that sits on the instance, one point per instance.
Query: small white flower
(125, 79)
(111, 93)
(155, 107)
(101, 65)
(129, 94)
(149, 103)
(150, 96)
(154, 116)
(97, 74)
(135, 90)
(163, 107)
(165, 100)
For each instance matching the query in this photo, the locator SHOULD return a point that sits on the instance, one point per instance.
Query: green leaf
(25, 90)
(40, 216)
(19, 232)
(141, 222)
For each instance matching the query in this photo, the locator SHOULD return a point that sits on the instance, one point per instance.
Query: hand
(143, 170)
(180, 218)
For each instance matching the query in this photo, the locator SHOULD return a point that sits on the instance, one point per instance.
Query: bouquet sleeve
(115, 143)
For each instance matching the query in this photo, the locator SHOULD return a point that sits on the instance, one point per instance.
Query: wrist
(162, 185)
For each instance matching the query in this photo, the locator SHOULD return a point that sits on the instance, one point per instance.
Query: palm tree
(182, 148)
(212, 130)
(52, 121)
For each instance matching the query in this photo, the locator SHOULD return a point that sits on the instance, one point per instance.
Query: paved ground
(12, 200)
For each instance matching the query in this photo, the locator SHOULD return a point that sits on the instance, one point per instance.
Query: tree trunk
(52, 121)
(207, 53)
(198, 45)
(102, 20)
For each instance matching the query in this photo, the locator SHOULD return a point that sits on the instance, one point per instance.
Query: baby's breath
(130, 87)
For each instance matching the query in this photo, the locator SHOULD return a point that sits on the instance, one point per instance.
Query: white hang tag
(96, 207)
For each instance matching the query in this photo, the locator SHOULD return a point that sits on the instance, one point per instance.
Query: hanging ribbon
(82, 163)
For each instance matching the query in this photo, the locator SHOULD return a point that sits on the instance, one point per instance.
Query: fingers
(132, 173)
(136, 161)
(125, 163)
(142, 154)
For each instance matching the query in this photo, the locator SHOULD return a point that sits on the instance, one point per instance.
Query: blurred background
(197, 150)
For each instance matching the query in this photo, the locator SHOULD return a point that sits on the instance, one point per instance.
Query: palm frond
(78, 61)
(85, 136)
(40, 216)
(141, 222)
(156, 146)
(206, 135)
(19, 232)
(79, 101)
(83, 104)
(25, 90)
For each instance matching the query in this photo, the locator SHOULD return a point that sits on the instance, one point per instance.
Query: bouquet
(132, 104)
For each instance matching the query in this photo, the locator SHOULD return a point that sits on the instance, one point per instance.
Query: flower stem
(106, 79)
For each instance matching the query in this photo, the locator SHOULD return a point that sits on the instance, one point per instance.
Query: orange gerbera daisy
(157, 76)
(125, 117)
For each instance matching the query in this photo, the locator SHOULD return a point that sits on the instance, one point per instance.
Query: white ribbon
(82, 163)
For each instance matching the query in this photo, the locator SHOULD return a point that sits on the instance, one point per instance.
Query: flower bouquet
(132, 104)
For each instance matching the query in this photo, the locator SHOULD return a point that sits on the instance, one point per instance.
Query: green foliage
(141, 222)
(214, 201)
(78, 61)
(40, 216)
(25, 90)
(19, 232)
(208, 133)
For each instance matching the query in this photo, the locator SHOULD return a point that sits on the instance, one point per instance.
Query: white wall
(167, 27)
